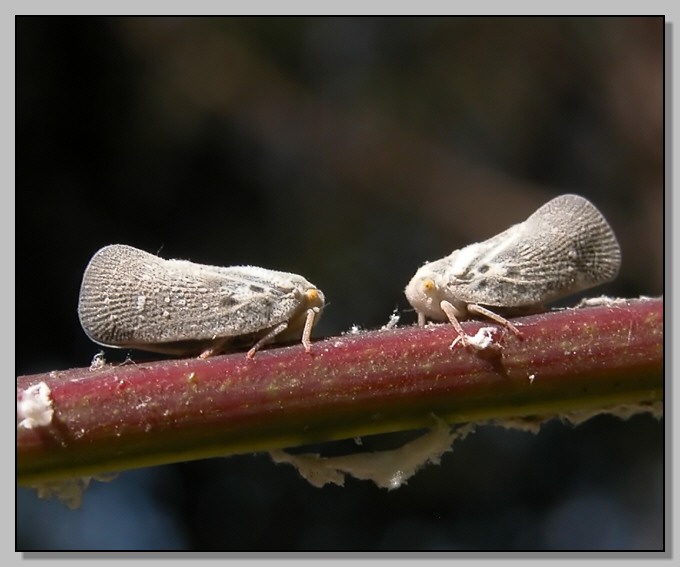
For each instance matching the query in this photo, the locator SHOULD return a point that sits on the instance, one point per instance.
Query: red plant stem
(136, 415)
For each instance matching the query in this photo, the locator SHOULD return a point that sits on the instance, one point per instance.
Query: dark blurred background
(349, 150)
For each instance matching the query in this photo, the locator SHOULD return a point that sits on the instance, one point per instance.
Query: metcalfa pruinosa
(565, 247)
(132, 299)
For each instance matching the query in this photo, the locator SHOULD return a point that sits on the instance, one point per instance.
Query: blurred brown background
(349, 150)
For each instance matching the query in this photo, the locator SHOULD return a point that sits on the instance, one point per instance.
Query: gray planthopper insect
(132, 299)
(566, 246)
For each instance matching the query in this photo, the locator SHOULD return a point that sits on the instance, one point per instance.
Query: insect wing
(130, 297)
(248, 299)
(564, 247)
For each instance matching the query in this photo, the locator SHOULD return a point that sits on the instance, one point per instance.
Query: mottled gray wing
(566, 246)
(129, 297)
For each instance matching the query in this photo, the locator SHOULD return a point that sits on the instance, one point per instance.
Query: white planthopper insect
(132, 299)
(565, 247)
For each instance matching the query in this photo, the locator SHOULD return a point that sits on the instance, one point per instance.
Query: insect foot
(132, 299)
(565, 247)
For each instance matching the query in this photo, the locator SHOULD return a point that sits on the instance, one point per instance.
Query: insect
(132, 299)
(566, 246)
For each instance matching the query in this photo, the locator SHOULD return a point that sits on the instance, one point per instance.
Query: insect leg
(307, 331)
(268, 337)
(450, 312)
(479, 310)
(215, 348)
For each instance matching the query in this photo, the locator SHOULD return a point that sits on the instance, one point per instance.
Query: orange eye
(428, 285)
(312, 294)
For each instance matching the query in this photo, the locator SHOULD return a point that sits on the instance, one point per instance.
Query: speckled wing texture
(566, 246)
(131, 298)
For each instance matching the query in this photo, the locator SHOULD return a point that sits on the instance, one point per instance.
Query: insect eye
(428, 285)
(313, 296)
